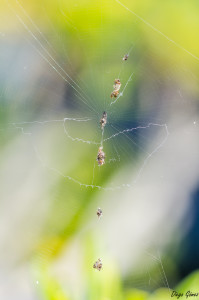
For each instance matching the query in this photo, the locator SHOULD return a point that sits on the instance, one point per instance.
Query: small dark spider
(103, 120)
(98, 264)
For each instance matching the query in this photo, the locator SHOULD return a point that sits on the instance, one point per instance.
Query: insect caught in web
(98, 264)
(103, 120)
(116, 88)
(125, 57)
(101, 156)
(99, 213)
(114, 94)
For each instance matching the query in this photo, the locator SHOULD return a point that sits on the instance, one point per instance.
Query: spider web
(114, 133)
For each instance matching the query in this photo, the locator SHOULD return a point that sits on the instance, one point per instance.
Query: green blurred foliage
(90, 30)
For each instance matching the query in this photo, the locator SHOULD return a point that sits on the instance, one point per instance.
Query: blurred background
(58, 62)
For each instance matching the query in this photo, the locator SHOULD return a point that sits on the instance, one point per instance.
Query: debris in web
(99, 213)
(101, 156)
(116, 88)
(125, 57)
(116, 93)
(98, 264)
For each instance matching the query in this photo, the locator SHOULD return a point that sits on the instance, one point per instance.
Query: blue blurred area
(189, 246)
